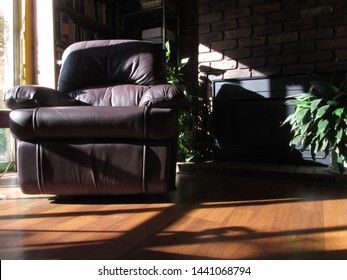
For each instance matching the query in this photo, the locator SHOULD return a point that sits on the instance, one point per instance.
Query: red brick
(252, 21)
(267, 29)
(202, 1)
(314, 34)
(213, 17)
(338, 18)
(204, 28)
(250, 2)
(331, 21)
(266, 71)
(211, 37)
(237, 13)
(317, 11)
(322, 2)
(222, 6)
(238, 53)
(331, 66)
(224, 45)
(300, 24)
(341, 31)
(207, 71)
(339, 43)
(341, 54)
(299, 47)
(284, 59)
(204, 9)
(318, 56)
(296, 4)
(204, 48)
(298, 69)
(266, 50)
(224, 25)
(211, 56)
(252, 41)
(237, 73)
(266, 8)
(226, 64)
(340, 8)
(284, 38)
(283, 16)
(252, 62)
(238, 33)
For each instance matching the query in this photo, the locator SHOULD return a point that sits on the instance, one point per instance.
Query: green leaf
(338, 123)
(167, 46)
(325, 145)
(288, 119)
(321, 111)
(339, 111)
(304, 128)
(322, 126)
(332, 102)
(184, 61)
(315, 103)
(301, 114)
(339, 135)
(297, 140)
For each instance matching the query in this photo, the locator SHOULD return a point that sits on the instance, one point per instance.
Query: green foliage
(2, 40)
(3, 140)
(319, 121)
(186, 132)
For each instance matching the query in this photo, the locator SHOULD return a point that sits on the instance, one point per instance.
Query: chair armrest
(32, 96)
(163, 96)
(94, 122)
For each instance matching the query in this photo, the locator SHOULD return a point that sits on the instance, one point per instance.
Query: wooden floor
(206, 218)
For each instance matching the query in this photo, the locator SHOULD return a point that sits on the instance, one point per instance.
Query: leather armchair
(110, 128)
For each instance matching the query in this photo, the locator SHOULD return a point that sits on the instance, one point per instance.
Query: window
(8, 35)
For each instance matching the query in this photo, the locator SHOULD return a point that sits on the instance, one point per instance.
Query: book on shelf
(156, 35)
(95, 9)
(67, 31)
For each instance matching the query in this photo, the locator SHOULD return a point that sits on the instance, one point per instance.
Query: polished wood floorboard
(207, 217)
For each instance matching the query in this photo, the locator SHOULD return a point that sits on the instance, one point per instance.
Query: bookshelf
(80, 20)
(151, 20)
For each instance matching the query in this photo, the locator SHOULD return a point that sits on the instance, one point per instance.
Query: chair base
(71, 167)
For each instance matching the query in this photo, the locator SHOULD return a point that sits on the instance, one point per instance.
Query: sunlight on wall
(215, 64)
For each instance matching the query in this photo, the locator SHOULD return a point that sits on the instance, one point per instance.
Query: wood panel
(206, 218)
(4, 118)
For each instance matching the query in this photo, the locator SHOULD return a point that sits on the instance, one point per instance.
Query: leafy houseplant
(319, 122)
(186, 135)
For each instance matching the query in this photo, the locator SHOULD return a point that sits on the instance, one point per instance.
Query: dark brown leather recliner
(110, 128)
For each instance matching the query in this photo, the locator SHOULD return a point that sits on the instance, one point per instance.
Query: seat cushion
(112, 95)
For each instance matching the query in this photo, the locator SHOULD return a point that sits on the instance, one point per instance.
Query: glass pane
(6, 76)
(6, 48)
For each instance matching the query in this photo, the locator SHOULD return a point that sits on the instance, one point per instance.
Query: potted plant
(186, 134)
(319, 122)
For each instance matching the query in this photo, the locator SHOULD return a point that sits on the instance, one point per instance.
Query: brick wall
(248, 38)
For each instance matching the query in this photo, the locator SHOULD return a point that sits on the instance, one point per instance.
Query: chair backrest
(111, 62)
